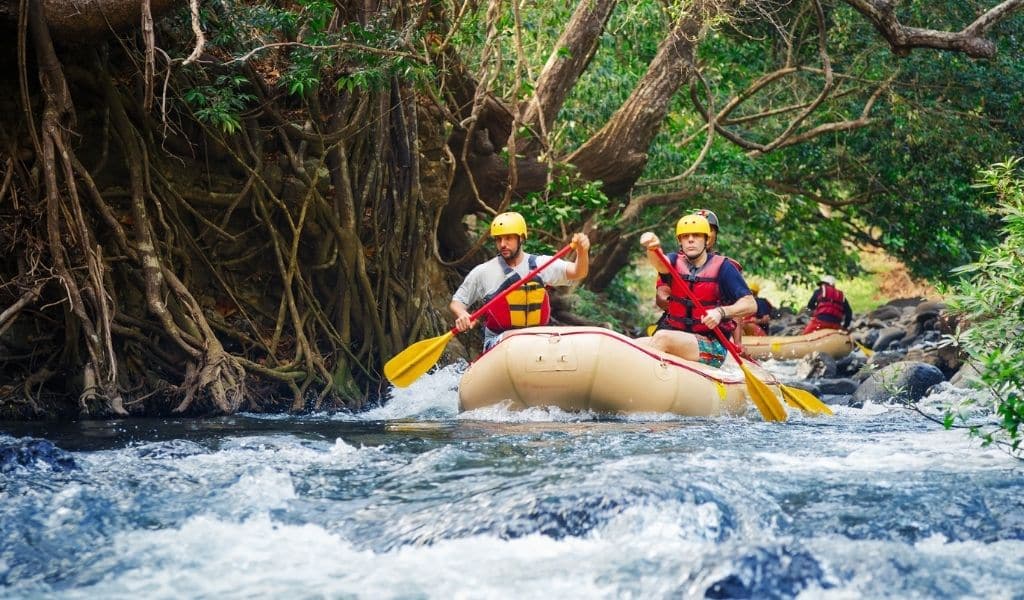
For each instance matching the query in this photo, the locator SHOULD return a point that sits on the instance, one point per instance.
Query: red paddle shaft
(701, 311)
(476, 314)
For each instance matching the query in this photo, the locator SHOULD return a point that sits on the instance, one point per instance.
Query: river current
(415, 500)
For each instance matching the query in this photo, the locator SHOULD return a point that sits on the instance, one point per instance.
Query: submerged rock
(29, 454)
(900, 382)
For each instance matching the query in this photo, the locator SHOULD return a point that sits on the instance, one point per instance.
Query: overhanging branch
(903, 39)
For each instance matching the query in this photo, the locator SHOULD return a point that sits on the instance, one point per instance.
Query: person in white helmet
(829, 307)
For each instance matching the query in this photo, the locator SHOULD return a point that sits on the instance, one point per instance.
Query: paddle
(867, 351)
(762, 396)
(407, 366)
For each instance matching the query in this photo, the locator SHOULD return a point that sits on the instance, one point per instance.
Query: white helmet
(828, 279)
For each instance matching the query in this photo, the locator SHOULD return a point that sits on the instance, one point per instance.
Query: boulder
(836, 399)
(851, 365)
(888, 337)
(837, 387)
(899, 382)
(884, 313)
(816, 365)
(944, 356)
(968, 376)
(928, 310)
(879, 360)
(866, 337)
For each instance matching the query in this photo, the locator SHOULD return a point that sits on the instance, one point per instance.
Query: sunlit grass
(884, 279)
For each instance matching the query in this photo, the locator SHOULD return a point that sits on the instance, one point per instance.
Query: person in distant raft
(713, 280)
(527, 306)
(661, 297)
(757, 324)
(829, 307)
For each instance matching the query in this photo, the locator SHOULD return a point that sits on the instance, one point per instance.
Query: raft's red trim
(807, 338)
(628, 342)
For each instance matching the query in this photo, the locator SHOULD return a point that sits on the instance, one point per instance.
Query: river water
(414, 500)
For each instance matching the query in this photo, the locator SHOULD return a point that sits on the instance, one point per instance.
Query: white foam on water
(432, 396)
(893, 451)
(261, 490)
(649, 548)
(502, 413)
(930, 568)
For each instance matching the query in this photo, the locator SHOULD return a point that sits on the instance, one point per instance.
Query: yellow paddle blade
(867, 351)
(407, 366)
(763, 397)
(804, 400)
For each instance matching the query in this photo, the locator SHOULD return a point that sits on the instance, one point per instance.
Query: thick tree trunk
(617, 154)
(78, 20)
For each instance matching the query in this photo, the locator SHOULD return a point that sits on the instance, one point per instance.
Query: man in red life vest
(526, 306)
(661, 296)
(713, 280)
(830, 309)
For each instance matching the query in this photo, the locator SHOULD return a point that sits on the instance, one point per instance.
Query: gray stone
(928, 310)
(887, 337)
(866, 337)
(850, 364)
(836, 399)
(885, 313)
(899, 382)
(816, 365)
(969, 376)
(838, 387)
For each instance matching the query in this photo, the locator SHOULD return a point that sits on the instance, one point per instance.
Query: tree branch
(568, 60)
(903, 39)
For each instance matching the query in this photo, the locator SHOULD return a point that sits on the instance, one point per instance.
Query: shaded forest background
(214, 206)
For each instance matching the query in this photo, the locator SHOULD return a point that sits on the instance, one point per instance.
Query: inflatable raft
(834, 342)
(595, 369)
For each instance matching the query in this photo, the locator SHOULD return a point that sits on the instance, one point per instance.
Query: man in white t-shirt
(526, 306)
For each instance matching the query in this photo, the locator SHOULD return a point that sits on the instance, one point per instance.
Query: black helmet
(710, 216)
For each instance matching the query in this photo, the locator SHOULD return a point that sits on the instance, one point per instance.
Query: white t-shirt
(487, 277)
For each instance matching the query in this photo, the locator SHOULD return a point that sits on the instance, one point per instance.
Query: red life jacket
(734, 262)
(682, 314)
(830, 304)
(526, 306)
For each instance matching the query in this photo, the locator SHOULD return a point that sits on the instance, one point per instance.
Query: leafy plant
(221, 102)
(566, 201)
(990, 301)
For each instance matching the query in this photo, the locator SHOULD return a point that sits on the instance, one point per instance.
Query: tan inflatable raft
(596, 369)
(834, 342)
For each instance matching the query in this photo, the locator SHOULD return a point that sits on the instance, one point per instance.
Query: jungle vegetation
(218, 205)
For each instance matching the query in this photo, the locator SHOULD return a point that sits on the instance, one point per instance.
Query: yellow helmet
(508, 223)
(693, 224)
(754, 288)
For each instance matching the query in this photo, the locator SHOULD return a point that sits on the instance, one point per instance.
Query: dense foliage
(899, 181)
(990, 301)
